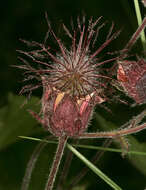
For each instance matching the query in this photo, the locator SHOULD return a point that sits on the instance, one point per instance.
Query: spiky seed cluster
(72, 84)
(77, 75)
(75, 70)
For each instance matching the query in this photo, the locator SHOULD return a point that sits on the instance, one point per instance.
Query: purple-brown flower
(72, 83)
(132, 76)
(144, 2)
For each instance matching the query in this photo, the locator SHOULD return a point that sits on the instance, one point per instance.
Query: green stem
(87, 146)
(139, 20)
(94, 169)
(94, 160)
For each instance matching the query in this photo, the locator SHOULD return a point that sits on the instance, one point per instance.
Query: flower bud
(132, 76)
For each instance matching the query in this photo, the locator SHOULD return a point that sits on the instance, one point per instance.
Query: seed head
(72, 82)
(74, 70)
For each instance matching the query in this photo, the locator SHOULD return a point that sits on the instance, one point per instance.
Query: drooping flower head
(132, 76)
(72, 82)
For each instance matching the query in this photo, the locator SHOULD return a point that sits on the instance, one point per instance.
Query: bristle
(75, 70)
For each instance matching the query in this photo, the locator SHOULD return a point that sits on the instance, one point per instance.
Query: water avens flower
(132, 76)
(72, 86)
(72, 83)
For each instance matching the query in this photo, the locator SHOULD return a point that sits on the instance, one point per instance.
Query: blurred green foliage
(25, 19)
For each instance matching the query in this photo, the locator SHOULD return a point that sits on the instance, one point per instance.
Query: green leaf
(15, 119)
(138, 161)
(83, 187)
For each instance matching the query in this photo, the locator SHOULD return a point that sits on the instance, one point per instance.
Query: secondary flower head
(144, 2)
(132, 76)
(72, 82)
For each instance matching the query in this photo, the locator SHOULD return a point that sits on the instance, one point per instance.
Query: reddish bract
(132, 76)
(64, 114)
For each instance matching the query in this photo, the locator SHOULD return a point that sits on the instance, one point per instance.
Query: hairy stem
(114, 134)
(31, 164)
(56, 162)
(65, 169)
(136, 35)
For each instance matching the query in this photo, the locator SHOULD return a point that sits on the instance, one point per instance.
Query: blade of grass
(94, 169)
(87, 146)
(139, 20)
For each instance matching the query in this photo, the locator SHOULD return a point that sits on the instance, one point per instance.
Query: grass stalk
(87, 146)
(96, 170)
(139, 20)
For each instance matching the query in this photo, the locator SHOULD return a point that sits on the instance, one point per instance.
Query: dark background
(25, 19)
